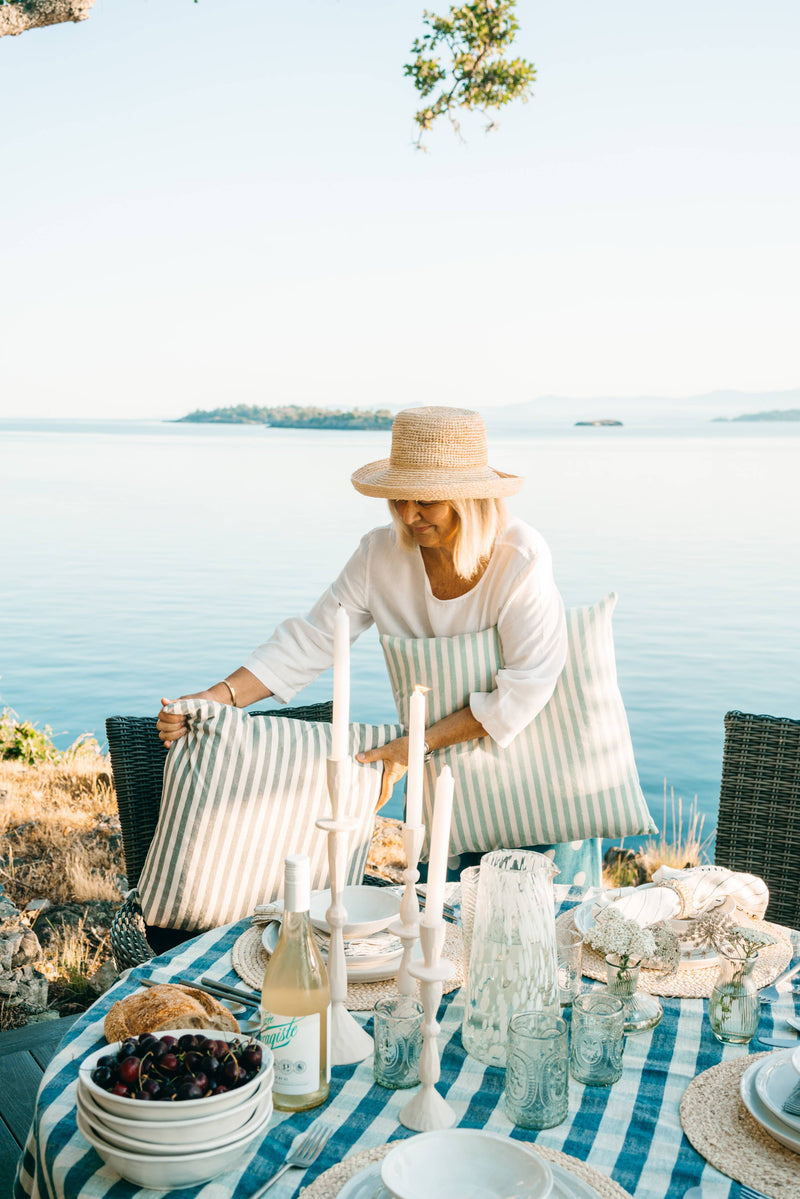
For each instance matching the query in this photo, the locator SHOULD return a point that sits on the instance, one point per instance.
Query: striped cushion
(569, 775)
(240, 793)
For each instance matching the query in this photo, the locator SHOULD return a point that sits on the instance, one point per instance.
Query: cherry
(129, 1070)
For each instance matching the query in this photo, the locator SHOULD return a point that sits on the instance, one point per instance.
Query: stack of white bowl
(164, 1144)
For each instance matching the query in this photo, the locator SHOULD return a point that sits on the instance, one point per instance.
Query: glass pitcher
(513, 965)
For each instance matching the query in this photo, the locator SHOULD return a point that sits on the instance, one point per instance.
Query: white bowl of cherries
(183, 1075)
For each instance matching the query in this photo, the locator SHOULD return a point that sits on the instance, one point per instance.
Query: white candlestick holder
(427, 1110)
(349, 1042)
(406, 927)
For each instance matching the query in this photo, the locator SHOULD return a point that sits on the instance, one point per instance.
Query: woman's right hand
(172, 725)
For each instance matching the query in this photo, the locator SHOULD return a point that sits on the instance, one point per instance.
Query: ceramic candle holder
(349, 1041)
(427, 1110)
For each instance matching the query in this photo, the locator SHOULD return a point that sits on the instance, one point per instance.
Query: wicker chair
(137, 763)
(758, 828)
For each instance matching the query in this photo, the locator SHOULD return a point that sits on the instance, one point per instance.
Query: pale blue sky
(220, 203)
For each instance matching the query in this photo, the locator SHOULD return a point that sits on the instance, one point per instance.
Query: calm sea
(143, 559)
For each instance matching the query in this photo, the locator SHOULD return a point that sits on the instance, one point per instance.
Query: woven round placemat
(250, 959)
(699, 982)
(722, 1131)
(328, 1185)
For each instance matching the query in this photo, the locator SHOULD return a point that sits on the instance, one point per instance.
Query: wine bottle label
(295, 1044)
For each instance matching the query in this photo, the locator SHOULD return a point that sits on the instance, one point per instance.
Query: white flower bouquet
(616, 936)
(721, 932)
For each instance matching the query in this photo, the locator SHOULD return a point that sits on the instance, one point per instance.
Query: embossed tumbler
(537, 1070)
(598, 1036)
(398, 1041)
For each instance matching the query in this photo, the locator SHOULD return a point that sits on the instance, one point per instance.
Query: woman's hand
(172, 725)
(238, 690)
(394, 755)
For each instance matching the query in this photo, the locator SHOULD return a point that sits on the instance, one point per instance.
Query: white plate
(657, 903)
(363, 1185)
(355, 971)
(775, 1082)
(366, 1184)
(770, 1123)
(369, 909)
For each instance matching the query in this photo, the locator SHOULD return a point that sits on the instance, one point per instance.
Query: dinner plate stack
(765, 1087)
(372, 952)
(164, 1144)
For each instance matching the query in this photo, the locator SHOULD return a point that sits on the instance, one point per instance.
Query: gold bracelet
(233, 693)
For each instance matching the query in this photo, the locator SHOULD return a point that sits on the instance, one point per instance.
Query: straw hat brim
(384, 481)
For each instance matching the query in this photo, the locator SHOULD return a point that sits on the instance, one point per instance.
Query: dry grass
(60, 840)
(676, 847)
(58, 822)
(673, 847)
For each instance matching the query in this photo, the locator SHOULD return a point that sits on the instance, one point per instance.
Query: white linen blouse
(387, 585)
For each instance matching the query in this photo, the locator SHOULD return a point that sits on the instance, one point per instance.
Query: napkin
(379, 943)
(703, 888)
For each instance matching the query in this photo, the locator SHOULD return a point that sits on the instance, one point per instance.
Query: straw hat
(437, 454)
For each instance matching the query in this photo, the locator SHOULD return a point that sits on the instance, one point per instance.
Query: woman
(451, 562)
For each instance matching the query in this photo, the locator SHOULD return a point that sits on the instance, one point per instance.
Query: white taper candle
(416, 755)
(440, 846)
(341, 685)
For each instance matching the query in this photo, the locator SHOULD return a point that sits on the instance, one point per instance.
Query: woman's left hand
(394, 755)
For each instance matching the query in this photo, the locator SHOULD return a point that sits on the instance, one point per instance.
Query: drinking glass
(569, 947)
(398, 1041)
(537, 1070)
(469, 898)
(598, 1020)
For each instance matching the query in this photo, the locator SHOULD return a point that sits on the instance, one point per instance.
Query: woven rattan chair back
(137, 763)
(758, 828)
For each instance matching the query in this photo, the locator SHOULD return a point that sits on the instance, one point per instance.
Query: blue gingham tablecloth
(630, 1132)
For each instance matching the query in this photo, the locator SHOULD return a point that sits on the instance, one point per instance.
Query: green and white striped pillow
(569, 775)
(240, 793)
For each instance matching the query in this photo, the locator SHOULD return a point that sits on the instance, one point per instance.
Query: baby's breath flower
(615, 934)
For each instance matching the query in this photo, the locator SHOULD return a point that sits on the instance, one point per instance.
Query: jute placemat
(328, 1185)
(723, 1132)
(697, 983)
(250, 959)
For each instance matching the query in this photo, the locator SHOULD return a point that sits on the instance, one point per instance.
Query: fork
(791, 1103)
(746, 1192)
(306, 1153)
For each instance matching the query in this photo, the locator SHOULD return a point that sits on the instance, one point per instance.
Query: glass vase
(641, 1011)
(733, 1009)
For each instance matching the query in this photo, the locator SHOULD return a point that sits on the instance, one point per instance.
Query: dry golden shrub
(57, 824)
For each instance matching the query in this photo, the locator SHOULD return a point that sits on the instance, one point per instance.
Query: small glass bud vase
(733, 1009)
(641, 1011)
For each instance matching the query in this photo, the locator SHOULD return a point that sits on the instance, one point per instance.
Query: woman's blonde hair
(479, 523)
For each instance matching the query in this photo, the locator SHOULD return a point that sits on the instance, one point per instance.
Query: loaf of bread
(165, 1006)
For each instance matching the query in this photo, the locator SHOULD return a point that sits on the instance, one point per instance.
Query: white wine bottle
(296, 1001)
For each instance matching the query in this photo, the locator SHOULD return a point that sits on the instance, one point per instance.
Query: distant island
(773, 414)
(292, 417)
(598, 422)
